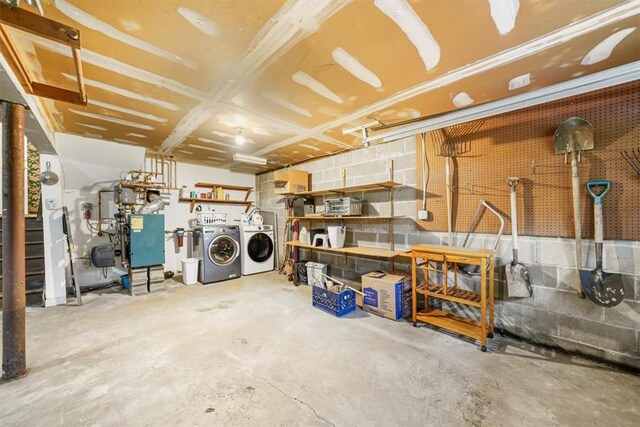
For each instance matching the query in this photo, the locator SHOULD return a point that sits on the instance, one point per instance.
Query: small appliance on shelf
(346, 206)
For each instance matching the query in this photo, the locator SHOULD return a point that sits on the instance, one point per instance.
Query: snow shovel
(574, 136)
(601, 288)
(518, 283)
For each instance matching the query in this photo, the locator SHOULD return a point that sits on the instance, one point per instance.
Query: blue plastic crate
(334, 303)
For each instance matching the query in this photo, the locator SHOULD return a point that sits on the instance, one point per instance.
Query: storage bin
(334, 303)
(315, 270)
(190, 271)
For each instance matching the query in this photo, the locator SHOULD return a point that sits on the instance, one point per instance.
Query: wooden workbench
(428, 258)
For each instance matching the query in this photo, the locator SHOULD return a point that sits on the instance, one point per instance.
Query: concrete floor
(253, 351)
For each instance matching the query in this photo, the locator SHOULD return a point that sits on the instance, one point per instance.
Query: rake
(633, 158)
(451, 142)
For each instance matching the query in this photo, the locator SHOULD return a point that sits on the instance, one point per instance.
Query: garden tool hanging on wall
(518, 282)
(602, 288)
(451, 142)
(574, 136)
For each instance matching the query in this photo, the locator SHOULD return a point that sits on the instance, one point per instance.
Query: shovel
(518, 283)
(574, 136)
(601, 288)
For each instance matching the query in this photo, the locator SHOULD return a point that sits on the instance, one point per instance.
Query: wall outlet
(423, 215)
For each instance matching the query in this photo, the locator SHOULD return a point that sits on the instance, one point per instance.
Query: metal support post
(14, 363)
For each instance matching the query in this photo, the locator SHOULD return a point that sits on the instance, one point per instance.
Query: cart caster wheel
(415, 325)
(483, 348)
(490, 335)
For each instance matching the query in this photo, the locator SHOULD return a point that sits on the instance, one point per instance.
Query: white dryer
(257, 248)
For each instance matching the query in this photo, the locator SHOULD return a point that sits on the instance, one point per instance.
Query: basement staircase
(34, 260)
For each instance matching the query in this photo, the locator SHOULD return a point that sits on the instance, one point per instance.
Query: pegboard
(520, 144)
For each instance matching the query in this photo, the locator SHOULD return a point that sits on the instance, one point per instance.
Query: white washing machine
(257, 248)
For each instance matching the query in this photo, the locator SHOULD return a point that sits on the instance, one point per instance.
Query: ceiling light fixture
(239, 138)
(243, 158)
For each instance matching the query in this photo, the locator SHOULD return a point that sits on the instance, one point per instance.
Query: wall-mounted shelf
(352, 250)
(195, 201)
(213, 187)
(375, 186)
(346, 218)
(389, 185)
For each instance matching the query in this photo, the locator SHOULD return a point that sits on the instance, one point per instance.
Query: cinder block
(599, 335)
(346, 159)
(538, 325)
(371, 167)
(364, 265)
(621, 257)
(632, 361)
(541, 275)
(382, 150)
(629, 287)
(626, 314)
(410, 177)
(578, 347)
(568, 303)
(366, 239)
(383, 239)
(410, 145)
(556, 252)
(568, 279)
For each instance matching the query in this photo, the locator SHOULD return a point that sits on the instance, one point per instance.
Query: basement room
(320, 212)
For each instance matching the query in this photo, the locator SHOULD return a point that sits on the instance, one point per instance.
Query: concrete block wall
(554, 315)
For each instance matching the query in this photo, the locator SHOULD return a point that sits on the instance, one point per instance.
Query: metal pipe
(14, 364)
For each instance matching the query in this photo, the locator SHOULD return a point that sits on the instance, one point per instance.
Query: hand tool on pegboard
(518, 282)
(602, 288)
(574, 136)
(452, 142)
(632, 157)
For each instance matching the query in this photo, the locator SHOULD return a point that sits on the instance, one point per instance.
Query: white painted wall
(177, 214)
(89, 165)
(54, 239)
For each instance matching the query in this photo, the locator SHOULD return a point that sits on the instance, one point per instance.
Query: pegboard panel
(520, 144)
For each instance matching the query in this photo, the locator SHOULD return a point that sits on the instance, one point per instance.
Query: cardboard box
(291, 181)
(383, 294)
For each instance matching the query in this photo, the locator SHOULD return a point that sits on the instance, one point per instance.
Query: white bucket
(336, 235)
(190, 271)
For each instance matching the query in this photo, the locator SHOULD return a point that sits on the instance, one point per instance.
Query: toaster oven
(346, 206)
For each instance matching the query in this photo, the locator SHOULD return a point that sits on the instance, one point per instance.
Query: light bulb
(239, 138)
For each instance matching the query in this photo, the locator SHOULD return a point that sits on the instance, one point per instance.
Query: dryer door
(223, 250)
(260, 247)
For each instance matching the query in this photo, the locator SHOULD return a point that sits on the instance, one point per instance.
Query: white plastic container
(304, 237)
(314, 273)
(190, 271)
(337, 234)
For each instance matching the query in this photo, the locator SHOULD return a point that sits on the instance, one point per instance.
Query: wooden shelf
(457, 295)
(346, 218)
(351, 250)
(213, 187)
(384, 185)
(451, 322)
(194, 201)
(223, 186)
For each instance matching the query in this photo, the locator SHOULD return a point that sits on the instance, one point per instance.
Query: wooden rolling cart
(424, 257)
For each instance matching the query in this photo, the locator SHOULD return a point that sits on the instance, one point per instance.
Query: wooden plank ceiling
(181, 77)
